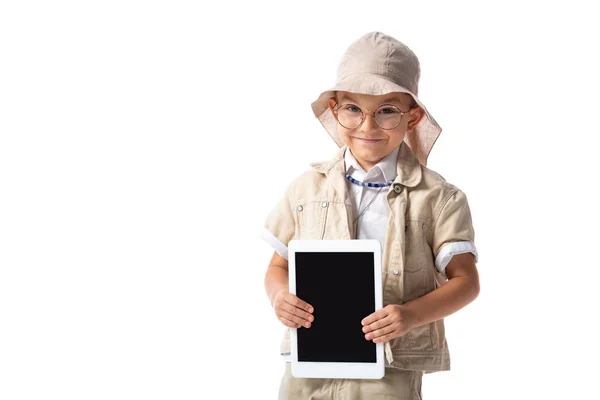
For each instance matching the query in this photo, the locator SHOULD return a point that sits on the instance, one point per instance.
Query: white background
(142, 145)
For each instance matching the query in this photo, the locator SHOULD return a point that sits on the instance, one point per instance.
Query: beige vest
(426, 212)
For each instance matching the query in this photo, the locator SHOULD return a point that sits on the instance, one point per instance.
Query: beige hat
(378, 64)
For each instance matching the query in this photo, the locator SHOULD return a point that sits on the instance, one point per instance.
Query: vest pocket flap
(311, 217)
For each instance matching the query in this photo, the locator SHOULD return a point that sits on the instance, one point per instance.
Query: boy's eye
(351, 108)
(387, 110)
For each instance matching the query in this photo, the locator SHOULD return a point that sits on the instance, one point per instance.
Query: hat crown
(380, 54)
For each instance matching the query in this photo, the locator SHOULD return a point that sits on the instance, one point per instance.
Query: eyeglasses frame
(370, 112)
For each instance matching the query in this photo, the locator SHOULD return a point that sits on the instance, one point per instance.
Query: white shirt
(373, 223)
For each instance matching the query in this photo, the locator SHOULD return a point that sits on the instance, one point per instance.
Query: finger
(381, 323)
(377, 315)
(297, 302)
(294, 318)
(297, 311)
(381, 332)
(385, 338)
(289, 323)
(287, 301)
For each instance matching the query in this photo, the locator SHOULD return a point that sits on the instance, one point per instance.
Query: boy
(378, 187)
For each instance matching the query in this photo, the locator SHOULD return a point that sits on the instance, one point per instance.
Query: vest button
(299, 208)
(324, 204)
(396, 272)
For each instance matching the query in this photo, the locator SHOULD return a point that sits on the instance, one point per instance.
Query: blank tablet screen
(340, 286)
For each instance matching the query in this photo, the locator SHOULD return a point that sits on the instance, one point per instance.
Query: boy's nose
(369, 124)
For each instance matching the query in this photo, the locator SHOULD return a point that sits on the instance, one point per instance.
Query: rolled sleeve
(280, 226)
(453, 231)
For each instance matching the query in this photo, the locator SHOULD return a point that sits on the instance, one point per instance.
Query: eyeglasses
(386, 116)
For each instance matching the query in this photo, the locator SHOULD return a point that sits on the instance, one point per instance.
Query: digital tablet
(341, 279)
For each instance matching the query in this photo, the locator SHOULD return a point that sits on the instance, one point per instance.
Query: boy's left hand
(387, 323)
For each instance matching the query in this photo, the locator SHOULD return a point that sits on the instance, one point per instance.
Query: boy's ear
(415, 116)
(332, 103)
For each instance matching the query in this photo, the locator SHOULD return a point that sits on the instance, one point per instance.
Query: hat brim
(420, 140)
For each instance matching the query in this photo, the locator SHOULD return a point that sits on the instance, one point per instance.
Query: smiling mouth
(369, 140)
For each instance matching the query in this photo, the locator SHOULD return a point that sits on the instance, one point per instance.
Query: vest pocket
(419, 338)
(415, 246)
(416, 340)
(419, 265)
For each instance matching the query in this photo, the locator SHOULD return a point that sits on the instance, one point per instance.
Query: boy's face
(369, 142)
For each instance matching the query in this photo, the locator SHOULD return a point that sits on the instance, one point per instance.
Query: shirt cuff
(275, 243)
(451, 249)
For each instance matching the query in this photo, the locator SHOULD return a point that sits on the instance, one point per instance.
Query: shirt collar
(408, 168)
(386, 166)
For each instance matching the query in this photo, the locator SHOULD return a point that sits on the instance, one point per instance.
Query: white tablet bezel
(343, 370)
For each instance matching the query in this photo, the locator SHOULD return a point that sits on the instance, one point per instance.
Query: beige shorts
(396, 384)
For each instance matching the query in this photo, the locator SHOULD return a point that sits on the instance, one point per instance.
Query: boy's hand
(387, 323)
(292, 311)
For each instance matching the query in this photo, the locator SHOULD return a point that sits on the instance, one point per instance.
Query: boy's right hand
(292, 311)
